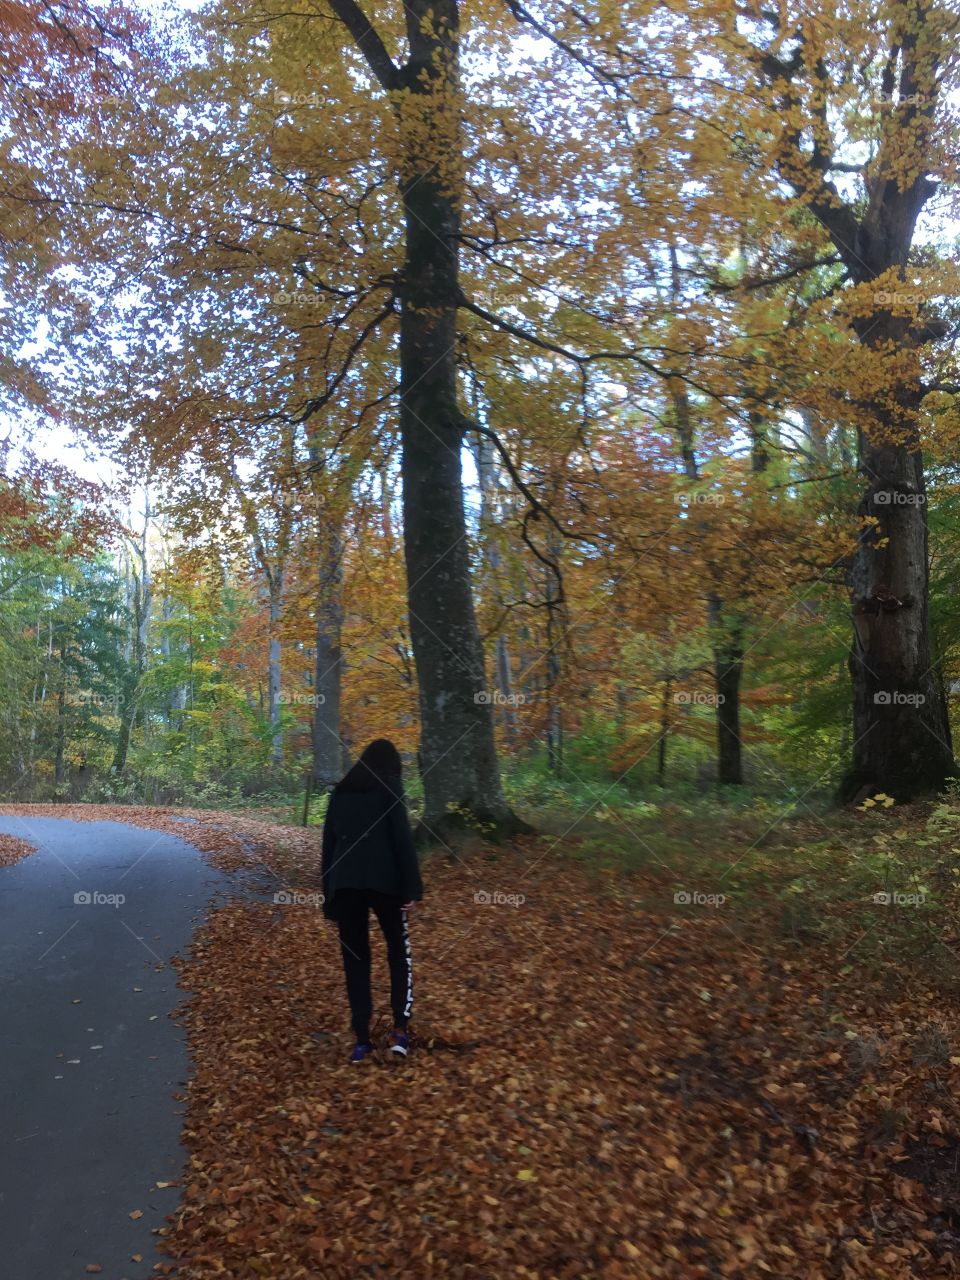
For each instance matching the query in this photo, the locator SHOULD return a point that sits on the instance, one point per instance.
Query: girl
(369, 860)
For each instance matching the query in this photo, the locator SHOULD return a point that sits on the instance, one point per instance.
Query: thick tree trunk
(458, 754)
(901, 733)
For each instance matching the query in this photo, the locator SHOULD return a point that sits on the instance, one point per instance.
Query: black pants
(352, 910)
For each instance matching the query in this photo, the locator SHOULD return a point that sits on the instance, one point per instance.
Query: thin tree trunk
(664, 732)
(274, 672)
(728, 668)
(140, 597)
(327, 744)
(554, 706)
(505, 707)
(59, 763)
(727, 656)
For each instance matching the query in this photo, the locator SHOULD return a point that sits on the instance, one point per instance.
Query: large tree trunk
(458, 755)
(901, 733)
(901, 730)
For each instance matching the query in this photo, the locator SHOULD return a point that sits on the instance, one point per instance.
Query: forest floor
(615, 1073)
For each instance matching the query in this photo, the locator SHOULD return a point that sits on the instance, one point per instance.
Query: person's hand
(408, 906)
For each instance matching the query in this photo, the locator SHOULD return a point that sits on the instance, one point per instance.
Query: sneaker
(399, 1044)
(361, 1051)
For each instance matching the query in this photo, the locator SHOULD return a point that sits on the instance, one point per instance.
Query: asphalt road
(90, 1059)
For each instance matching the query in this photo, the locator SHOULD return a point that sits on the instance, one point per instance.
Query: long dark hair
(378, 767)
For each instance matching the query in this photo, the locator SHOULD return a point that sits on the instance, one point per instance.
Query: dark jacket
(368, 844)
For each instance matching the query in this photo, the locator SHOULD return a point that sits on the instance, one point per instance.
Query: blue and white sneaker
(399, 1044)
(362, 1050)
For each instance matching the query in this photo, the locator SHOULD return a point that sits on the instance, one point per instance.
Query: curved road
(90, 1059)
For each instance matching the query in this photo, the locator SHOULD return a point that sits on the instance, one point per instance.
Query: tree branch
(368, 41)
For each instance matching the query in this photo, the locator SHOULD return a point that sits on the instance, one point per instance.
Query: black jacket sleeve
(411, 885)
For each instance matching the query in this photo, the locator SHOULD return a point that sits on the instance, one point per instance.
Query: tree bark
(140, 597)
(59, 763)
(490, 558)
(901, 733)
(664, 731)
(458, 755)
(728, 667)
(274, 672)
(327, 744)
